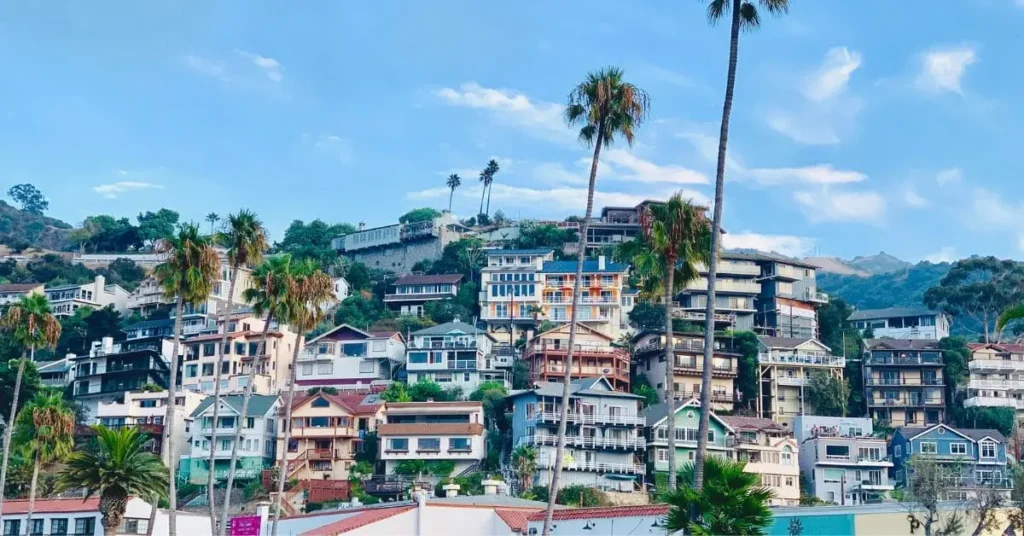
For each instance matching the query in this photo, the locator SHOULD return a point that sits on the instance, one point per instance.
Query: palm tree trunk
(246, 395)
(716, 244)
(154, 503)
(450, 196)
(210, 482)
(9, 429)
(32, 495)
(289, 396)
(581, 254)
(482, 192)
(670, 361)
(489, 200)
(169, 451)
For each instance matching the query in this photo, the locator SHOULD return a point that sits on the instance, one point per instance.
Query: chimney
(362, 226)
(108, 342)
(451, 490)
(600, 262)
(490, 486)
(98, 284)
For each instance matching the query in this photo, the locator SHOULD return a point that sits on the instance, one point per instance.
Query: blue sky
(858, 126)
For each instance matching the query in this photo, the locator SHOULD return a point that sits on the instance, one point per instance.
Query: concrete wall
(400, 257)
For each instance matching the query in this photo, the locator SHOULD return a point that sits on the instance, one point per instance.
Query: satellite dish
(606, 371)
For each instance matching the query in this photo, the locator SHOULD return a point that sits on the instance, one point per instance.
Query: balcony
(872, 485)
(971, 482)
(908, 382)
(813, 360)
(696, 367)
(995, 365)
(600, 467)
(553, 347)
(739, 286)
(588, 442)
(386, 485)
(462, 365)
(323, 431)
(442, 345)
(727, 267)
(579, 370)
(593, 418)
(791, 382)
(906, 402)
(716, 396)
(904, 360)
(994, 402)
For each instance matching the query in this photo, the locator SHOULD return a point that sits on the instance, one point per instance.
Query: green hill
(20, 229)
(898, 288)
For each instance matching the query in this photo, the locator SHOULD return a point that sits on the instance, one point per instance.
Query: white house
(456, 354)
(147, 410)
(902, 323)
(452, 431)
(67, 299)
(75, 516)
(350, 358)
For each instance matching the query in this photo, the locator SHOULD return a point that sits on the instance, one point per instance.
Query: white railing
(593, 418)
(588, 442)
(797, 382)
(993, 401)
(995, 364)
(996, 384)
(802, 359)
(580, 465)
(727, 285)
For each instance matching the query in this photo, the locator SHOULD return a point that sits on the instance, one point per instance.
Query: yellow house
(326, 433)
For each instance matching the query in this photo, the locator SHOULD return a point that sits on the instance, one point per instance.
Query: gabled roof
(589, 266)
(259, 405)
(790, 343)
(901, 344)
(448, 327)
(337, 328)
(564, 328)
(973, 434)
(577, 387)
(891, 312)
(361, 519)
(659, 412)
(428, 279)
(354, 404)
(539, 251)
(19, 287)
(517, 519)
(1008, 348)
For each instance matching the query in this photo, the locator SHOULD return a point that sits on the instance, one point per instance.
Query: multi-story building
(784, 367)
(111, 369)
(456, 354)
(629, 299)
(327, 431)
(600, 300)
(842, 462)
(996, 376)
(148, 297)
(902, 323)
(510, 289)
(433, 431)
(770, 451)
(788, 295)
(687, 421)
(398, 247)
(150, 328)
(903, 382)
(12, 292)
(649, 355)
(67, 299)
(55, 373)
(614, 226)
(975, 459)
(258, 443)
(737, 285)
(147, 411)
(594, 355)
(350, 358)
(604, 433)
(412, 292)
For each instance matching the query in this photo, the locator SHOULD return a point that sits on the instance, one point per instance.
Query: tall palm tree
(46, 433)
(118, 469)
(491, 170)
(674, 241)
(744, 16)
(1009, 315)
(32, 324)
(309, 293)
(213, 218)
(268, 297)
(187, 276)
(485, 181)
(453, 182)
(246, 241)
(604, 106)
(732, 502)
(524, 461)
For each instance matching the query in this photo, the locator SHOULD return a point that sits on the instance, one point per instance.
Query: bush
(537, 493)
(186, 489)
(325, 390)
(577, 495)
(252, 490)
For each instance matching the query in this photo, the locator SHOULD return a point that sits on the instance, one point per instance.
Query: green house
(687, 420)
(257, 446)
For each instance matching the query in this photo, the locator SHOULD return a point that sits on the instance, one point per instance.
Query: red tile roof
(361, 519)
(517, 520)
(53, 506)
(604, 512)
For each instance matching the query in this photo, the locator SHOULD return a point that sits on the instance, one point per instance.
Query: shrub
(577, 495)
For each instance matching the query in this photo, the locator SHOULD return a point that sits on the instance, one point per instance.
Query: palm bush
(731, 501)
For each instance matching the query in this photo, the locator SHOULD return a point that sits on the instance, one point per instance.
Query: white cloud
(913, 199)
(543, 119)
(214, 68)
(800, 131)
(816, 174)
(834, 74)
(637, 169)
(793, 246)
(948, 176)
(334, 146)
(988, 209)
(112, 190)
(270, 66)
(554, 173)
(945, 254)
(828, 205)
(943, 69)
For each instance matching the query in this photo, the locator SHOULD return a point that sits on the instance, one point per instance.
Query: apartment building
(350, 358)
(148, 297)
(147, 411)
(12, 292)
(769, 450)
(413, 292)
(903, 382)
(201, 356)
(150, 328)
(842, 461)
(327, 431)
(687, 421)
(902, 323)
(111, 369)
(786, 305)
(996, 376)
(600, 300)
(604, 433)
(398, 247)
(456, 354)
(649, 356)
(55, 373)
(511, 289)
(614, 226)
(594, 355)
(975, 458)
(785, 366)
(433, 431)
(258, 443)
(737, 286)
(66, 299)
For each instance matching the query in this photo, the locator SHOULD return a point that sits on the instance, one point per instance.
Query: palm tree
(491, 170)
(309, 293)
(453, 182)
(32, 324)
(268, 297)
(524, 461)
(187, 276)
(213, 218)
(246, 241)
(605, 106)
(744, 16)
(117, 469)
(674, 241)
(1009, 315)
(732, 502)
(485, 181)
(46, 434)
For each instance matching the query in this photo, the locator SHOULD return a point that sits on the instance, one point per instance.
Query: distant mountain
(835, 265)
(20, 229)
(881, 263)
(893, 289)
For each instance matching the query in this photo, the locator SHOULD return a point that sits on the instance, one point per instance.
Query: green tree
(213, 218)
(443, 311)
(425, 390)
(9, 377)
(604, 106)
(395, 392)
(187, 276)
(124, 272)
(486, 178)
(579, 496)
(749, 380)
(157, 225)
(360, 311)
(313, 241)
(441, 468)
(641, 386)
(117, 469)
(453, 182)
(413, 468)
(980, 288)
(521, 375)
(730, 502)
(926, 485)
(836, 332)
(955, 356)
(524, 463)
(32, 324)
(533, 235)
(827, 395)
(29, 197)
(648, 316)
(418, 215)
(45, 431)
(245, 240)
(998, 418)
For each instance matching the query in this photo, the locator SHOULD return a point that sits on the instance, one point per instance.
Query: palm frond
(191, 266)
(606, 106)
(31, 322)
(717, 10)
(1009, 315)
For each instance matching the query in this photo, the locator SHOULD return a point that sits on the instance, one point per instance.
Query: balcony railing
(907, 360)
(601, 467)
(974, 482)
(578, 349)
(716, 396)
(906, 402)
(802, 359)
(910, 382)
(994, 401)
(593, 418)
(697, 366)
(1004, 385)
(792, 382)
(324, 431)
(588, 442)
(442, 345)
(995, 364)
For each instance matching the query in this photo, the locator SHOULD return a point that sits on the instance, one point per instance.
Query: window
(12, 527)
(320, 403)
(837, 451)
(662, 455)
(37, 527)
(988, 449)
(400, 444)
(225, 444)
(191, 371)
(789, 481)
(459, 443)
(208, 369)
(59, 527)
(929, 447)
(432, 444)
(254, 348)
(209, 349)
(958, 449)
(319, 422)
(307, 369)
(85, 525)
(366, 367)
(147, 403)
(132, 525)
(899, 451)
(250, 422)
(239, 348)
(325, 367)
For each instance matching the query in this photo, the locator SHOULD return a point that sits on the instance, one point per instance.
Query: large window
(307, 369)
(366, 367)
(401, 444)
(325, 367)
(209, 349)
(320, 422)
(459, 443)
(12, 527)
(132, 525)
(958, 449)
(432, 444)
(988, 449)
(85, 525)
(37, 527)
(59, 527)
(837, 451)
(354, 349)
(929, 447)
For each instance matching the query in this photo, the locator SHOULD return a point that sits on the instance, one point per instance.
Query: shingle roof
(19, 287)
(361, 519)
(1012, 348)
(976, 434)
(902, 344)
(868, 314)
(259, 405)
(589, 266)
(605, 512)
(752, 423)
(447, 327)
(428, 279)
(355, 404)
(493, 252)
(783, 342)
(578, 387)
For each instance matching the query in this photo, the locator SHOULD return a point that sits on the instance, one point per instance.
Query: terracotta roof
(428, 279)
(233, 335)
(517, 520)
(430, 429)
(351, 403)
(604, 512)
(1011, 348)
(53, 506)
(751, 423)
(362, 519)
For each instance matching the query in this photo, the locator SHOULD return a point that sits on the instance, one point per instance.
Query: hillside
(20, 229)
(834, 265)
(904, 287)
(880, 263)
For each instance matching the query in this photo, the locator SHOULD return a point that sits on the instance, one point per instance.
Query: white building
(56, 373)
(449, 431)
(67, 299)
(413, 292)
(997, 376)
(110, 369)
(148, 410)
(147, 297)
(842, 460)
(456, 354)
(341, 289)
(258, 442)
(12, 292)
(350, 358)
(902, 323)
(74, 516)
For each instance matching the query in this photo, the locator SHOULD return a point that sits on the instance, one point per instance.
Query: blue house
(976, 457)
